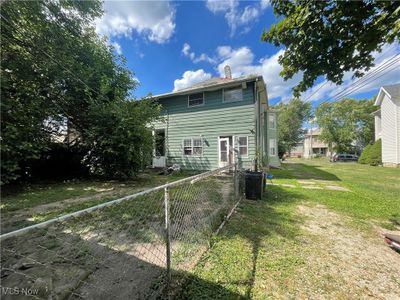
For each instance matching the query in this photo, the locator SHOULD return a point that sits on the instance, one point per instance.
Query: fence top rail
(62, 218)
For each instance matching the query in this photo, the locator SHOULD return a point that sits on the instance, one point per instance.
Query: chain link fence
(137, 247)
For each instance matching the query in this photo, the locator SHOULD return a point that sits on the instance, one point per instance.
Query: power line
(367, 77)
(316, 91)
(362, 79)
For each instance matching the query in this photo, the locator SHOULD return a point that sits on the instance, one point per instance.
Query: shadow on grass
(303, 171)
(254, 222)
(54, 264)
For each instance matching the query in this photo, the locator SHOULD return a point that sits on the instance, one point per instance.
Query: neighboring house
(298, 150)
(215, 123)
(387, 123)
(311, 145)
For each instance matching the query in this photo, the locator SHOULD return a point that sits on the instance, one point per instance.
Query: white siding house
(387, 124)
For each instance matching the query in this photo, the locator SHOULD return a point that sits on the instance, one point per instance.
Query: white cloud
(153, 19)
(192, 55)
(217, 6)
(190, 78)
(241, 61)
(386, 71)
(117, 47)
(265, 4)
(234, 15)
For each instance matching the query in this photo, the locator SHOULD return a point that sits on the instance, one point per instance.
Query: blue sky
(171, 45)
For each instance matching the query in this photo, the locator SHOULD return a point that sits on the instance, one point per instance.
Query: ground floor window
(243, 146)
(193, 146)
(272, 147)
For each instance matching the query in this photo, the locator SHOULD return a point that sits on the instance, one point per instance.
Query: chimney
(228, 73)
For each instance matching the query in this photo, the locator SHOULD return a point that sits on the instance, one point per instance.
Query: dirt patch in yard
(117, 252)
(24, 217)
(337, 188)
(341, 263)
(310, 187)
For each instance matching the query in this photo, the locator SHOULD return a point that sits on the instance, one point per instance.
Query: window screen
(233, 95)
(196, 99)
(243, 145)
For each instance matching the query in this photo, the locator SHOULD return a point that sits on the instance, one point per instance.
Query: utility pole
(311, 131)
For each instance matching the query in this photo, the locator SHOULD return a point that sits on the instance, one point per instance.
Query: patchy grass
(240, 249)
(31, 195)
(374, 190)
(22, 206)
(301, 243)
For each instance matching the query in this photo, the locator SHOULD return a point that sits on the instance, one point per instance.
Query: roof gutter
(213, 87)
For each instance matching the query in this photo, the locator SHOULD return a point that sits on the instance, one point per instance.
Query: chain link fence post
(167, 235)
(236, 181)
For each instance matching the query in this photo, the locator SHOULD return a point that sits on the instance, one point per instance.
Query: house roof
(376, 113)
(392, 91)
(315, 131)
(212, 84)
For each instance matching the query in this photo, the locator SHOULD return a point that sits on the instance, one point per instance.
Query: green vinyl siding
(272, 133)
(210, 121)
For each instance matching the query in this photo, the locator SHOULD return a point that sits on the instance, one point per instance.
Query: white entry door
(223, 152)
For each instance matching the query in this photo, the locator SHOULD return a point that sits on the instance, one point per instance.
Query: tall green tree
(329, 38)
(346, 124)
(55, 71)
(120, 141)
(291, 117)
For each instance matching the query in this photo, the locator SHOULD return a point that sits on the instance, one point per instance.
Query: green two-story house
(215, 123)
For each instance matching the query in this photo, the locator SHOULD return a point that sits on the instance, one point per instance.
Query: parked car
(344, 157)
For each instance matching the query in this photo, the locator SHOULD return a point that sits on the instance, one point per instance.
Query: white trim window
(193, 147)
(272, 121)
(243, 144)
(272, 147)
(196, 100)
(233, 95)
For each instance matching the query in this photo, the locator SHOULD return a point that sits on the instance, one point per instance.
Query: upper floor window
(272, 121)
(233, 95)
(196, 100)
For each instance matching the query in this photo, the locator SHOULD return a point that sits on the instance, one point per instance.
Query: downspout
(256, 127)
(166, 140)
(397, 136)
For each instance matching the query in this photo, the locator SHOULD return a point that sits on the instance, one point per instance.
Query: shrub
(60, 161)
(372, 154)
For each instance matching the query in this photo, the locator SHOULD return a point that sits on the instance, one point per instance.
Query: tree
(55, 70)
(291, 117)
(120, 140)
(329, 38)
(346, 124)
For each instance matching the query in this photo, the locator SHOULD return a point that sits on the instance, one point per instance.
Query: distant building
(298, 150)
(387, 123)
(311, 145)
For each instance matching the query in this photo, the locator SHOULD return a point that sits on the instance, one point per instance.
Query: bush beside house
(372, 154)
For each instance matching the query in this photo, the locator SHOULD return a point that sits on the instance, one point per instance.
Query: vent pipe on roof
(228, 72)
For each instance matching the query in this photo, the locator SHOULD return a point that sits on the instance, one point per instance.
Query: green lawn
(271, 250)
(375, 191)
